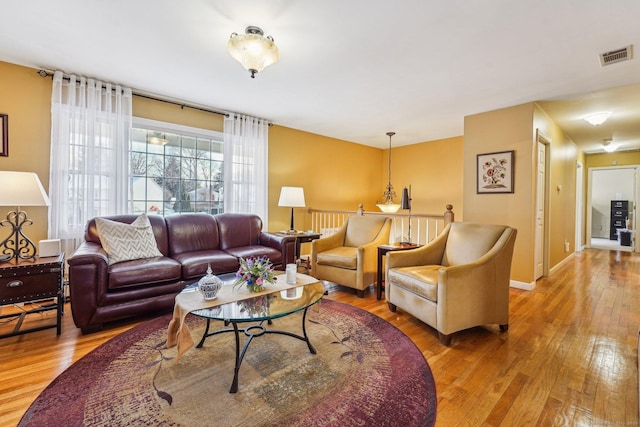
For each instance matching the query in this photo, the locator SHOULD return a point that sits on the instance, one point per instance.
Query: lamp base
(17, 245)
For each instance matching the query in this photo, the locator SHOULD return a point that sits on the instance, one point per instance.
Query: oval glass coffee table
(258, 310)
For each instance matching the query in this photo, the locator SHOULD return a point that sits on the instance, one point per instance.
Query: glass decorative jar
(209, 285)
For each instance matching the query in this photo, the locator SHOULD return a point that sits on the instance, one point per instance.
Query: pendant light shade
(253, 50)
(388, 205)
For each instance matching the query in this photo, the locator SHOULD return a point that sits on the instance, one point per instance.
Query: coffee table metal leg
(205, 335)
(234, 384)
(304, 332)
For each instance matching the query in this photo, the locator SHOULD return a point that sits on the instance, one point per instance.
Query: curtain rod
(182, 105)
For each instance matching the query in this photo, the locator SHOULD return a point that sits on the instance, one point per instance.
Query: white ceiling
(353, 69)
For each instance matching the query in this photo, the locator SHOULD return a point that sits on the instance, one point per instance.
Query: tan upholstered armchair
(349, 257)
(458, 281)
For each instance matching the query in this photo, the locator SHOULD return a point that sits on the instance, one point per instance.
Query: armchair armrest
(429, 254)
(329, 242)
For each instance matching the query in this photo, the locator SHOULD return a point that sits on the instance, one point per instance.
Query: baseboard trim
(522, 285)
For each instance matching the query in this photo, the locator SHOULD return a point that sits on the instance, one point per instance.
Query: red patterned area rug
(365, 373)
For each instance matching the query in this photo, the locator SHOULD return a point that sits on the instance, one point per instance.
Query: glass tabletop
(276, 304)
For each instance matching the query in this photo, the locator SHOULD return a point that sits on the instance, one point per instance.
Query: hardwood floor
(569, 357)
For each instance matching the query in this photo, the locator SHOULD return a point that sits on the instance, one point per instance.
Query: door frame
(545, 238)
(634, 220)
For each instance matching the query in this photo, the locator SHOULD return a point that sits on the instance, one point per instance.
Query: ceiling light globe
(253, 50)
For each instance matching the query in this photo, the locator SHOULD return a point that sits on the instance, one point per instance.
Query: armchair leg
(360, 293)
(444, 339)
(392, 307)
(504, 328)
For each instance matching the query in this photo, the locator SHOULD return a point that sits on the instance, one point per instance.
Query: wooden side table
(301, 237)
(28, 281)
(382, 251)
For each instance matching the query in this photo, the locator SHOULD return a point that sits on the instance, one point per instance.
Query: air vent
(624, 54)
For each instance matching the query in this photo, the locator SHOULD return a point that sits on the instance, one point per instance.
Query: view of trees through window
(175, 172)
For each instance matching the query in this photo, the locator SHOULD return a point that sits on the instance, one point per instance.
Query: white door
(540, 208)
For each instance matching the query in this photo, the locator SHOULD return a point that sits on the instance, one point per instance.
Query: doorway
(609, 187)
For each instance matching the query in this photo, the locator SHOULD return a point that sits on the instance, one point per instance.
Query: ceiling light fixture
(608, 146)
(253, 50)
(596, 119)
(389, 206)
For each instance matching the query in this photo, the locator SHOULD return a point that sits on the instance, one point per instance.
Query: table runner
(178, 333)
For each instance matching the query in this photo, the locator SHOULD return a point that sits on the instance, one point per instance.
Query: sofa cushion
(192, 232)
(341, 257)
(256, 251)
(421, 280)
(143, 271)
(194, 264)
(126, 242)
(237, 230)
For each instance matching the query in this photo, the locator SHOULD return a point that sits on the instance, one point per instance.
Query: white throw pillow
(125, 242)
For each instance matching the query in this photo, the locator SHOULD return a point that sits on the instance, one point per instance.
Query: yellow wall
(434, 171)
(515, 128)
(503, 130)
(26, 98)
(622, 158)
(165, 112)
(335, 174)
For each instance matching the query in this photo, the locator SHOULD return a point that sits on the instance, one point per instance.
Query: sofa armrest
(88, 253)
(283, 243)
(88, 280)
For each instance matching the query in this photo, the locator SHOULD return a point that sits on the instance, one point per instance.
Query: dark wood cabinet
(29, 281)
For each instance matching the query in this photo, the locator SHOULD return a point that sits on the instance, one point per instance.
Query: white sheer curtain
(246, 143)
(90, 138)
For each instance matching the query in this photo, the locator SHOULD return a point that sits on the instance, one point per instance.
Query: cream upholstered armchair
(349, 257)
(458, 281)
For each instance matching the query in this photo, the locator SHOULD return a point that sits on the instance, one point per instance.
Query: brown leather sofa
(102, 293)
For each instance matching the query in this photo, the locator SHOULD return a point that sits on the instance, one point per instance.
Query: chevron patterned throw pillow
(125, 242)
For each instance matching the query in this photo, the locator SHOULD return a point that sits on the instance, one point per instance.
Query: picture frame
(4, 135)
(495, 172)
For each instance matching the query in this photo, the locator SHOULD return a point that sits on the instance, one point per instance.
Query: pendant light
(388, 205)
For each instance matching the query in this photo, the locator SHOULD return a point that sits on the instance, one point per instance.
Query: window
(175, 169)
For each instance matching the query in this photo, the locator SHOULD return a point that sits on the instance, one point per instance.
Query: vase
(209, 285)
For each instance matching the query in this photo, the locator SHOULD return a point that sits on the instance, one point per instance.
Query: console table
(29, 281)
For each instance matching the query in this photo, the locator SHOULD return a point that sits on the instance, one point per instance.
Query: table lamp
(406, 204)
(19, 189)
(292, 197)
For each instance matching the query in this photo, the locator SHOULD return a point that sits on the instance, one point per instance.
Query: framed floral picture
(4, 135)
(495, 172)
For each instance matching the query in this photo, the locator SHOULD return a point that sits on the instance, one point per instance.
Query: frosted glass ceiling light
(608, 146)
(389, 206)
(596, 119)
(253, 50)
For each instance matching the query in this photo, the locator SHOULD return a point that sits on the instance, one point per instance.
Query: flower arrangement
(255, 272)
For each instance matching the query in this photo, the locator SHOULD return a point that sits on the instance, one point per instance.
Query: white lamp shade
(22, 189)
(292, 197)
